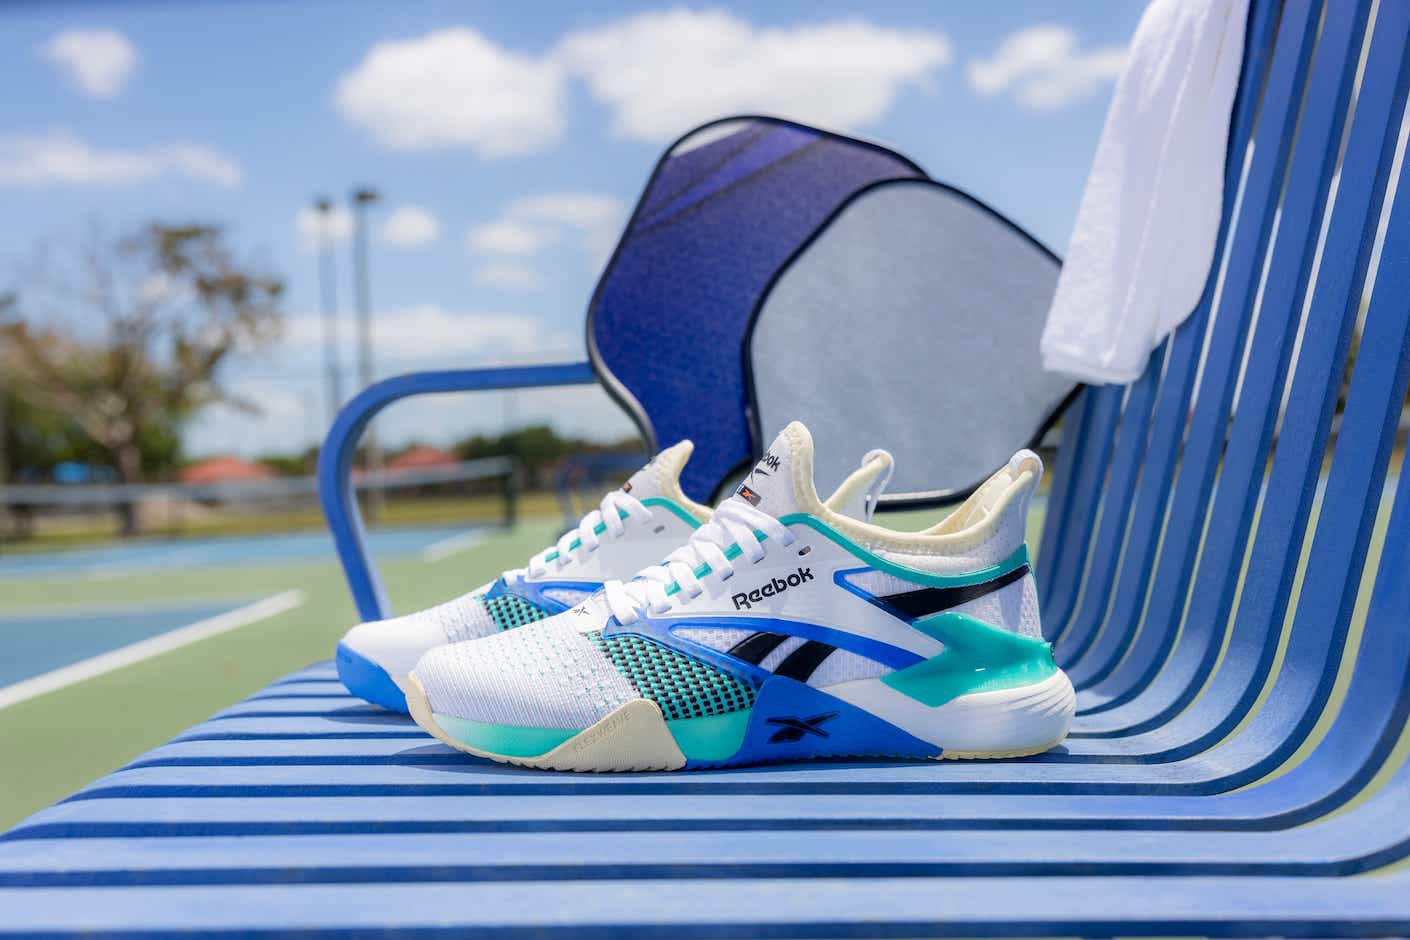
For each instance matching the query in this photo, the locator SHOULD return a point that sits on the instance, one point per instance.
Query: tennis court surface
(114, 649)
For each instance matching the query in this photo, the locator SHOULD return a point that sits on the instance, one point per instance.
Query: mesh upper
(568, 597)
(684, 687)
(715, 638)
(463, 618)
(845, 666)
(545, 675)
(509, 611)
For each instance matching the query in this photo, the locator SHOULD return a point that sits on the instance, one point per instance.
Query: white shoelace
(735, 523)
(608, 513)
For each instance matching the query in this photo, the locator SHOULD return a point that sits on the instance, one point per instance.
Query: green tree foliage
(109, 349)
(539, 449)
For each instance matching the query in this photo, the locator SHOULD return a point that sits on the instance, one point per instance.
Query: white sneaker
(783, 629)
(633, 527)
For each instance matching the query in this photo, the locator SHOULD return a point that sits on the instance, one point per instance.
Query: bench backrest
(1210, 525)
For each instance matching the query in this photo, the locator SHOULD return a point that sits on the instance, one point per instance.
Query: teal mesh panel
(682, 686)
(510, 611)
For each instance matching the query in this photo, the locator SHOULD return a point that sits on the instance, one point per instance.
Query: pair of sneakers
(778, 627)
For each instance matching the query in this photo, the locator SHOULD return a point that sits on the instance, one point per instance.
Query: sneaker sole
(367, 680)
(633, 737)
(636, 737)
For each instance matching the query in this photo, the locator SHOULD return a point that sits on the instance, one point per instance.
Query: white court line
(452, 545)
(146, 649)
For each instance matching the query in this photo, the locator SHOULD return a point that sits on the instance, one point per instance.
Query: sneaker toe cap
(544, 675)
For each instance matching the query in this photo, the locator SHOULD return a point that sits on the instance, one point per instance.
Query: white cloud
(529, 225)
(62, 157)
(428, 334)
(454, 88)
(658, 73)
(312, 226)
(508, 276)
(664, 72)
(595, 217)
(293, 416)
(1044, 69)
(286, 382)
(98, 61)
(508, 236)
(410, 227)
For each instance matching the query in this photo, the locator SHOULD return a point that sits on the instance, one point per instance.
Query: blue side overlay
(534, 591)
(792, 721)
(665, 630)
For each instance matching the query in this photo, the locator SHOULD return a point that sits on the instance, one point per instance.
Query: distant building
(420, 457)
(224, 470)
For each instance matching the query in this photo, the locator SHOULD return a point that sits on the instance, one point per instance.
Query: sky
(508, 142)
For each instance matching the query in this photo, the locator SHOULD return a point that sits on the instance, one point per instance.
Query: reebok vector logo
(793, 729)
(745, 600)
(744, 491)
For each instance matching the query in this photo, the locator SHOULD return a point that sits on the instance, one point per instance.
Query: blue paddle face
(725, 209)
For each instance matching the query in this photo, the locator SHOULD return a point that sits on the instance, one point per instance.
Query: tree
(126, 338)
(538, 448)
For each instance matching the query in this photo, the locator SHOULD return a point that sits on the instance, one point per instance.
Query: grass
(102, 529)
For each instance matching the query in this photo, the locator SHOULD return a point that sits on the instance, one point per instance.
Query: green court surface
(57, 742)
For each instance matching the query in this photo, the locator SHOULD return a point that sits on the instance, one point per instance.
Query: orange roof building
(420, 457)
(224, 470)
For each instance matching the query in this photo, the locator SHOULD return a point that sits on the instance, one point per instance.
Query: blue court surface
(36, 643)
(120, 560)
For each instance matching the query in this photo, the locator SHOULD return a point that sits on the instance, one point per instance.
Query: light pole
(328, 288)
(361, 199)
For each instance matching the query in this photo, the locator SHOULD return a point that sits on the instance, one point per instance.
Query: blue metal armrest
(336, 459)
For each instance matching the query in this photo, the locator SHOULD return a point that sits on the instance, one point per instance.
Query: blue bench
(1225, 570)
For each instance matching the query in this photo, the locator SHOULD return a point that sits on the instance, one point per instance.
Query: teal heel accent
(712, 737)
(977, 658)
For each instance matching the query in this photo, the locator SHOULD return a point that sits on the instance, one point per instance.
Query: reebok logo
(744, 491)
(745, 600)
(793, 729)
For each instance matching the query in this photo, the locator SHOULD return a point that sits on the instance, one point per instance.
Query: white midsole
(1025, 718)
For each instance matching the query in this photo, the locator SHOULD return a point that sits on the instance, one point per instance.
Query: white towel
(1144, 238)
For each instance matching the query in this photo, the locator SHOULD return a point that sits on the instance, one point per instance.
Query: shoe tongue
(782, 481)
(661, 477)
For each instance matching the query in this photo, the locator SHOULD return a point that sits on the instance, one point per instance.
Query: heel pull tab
(1026, 460)
(878, 485)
